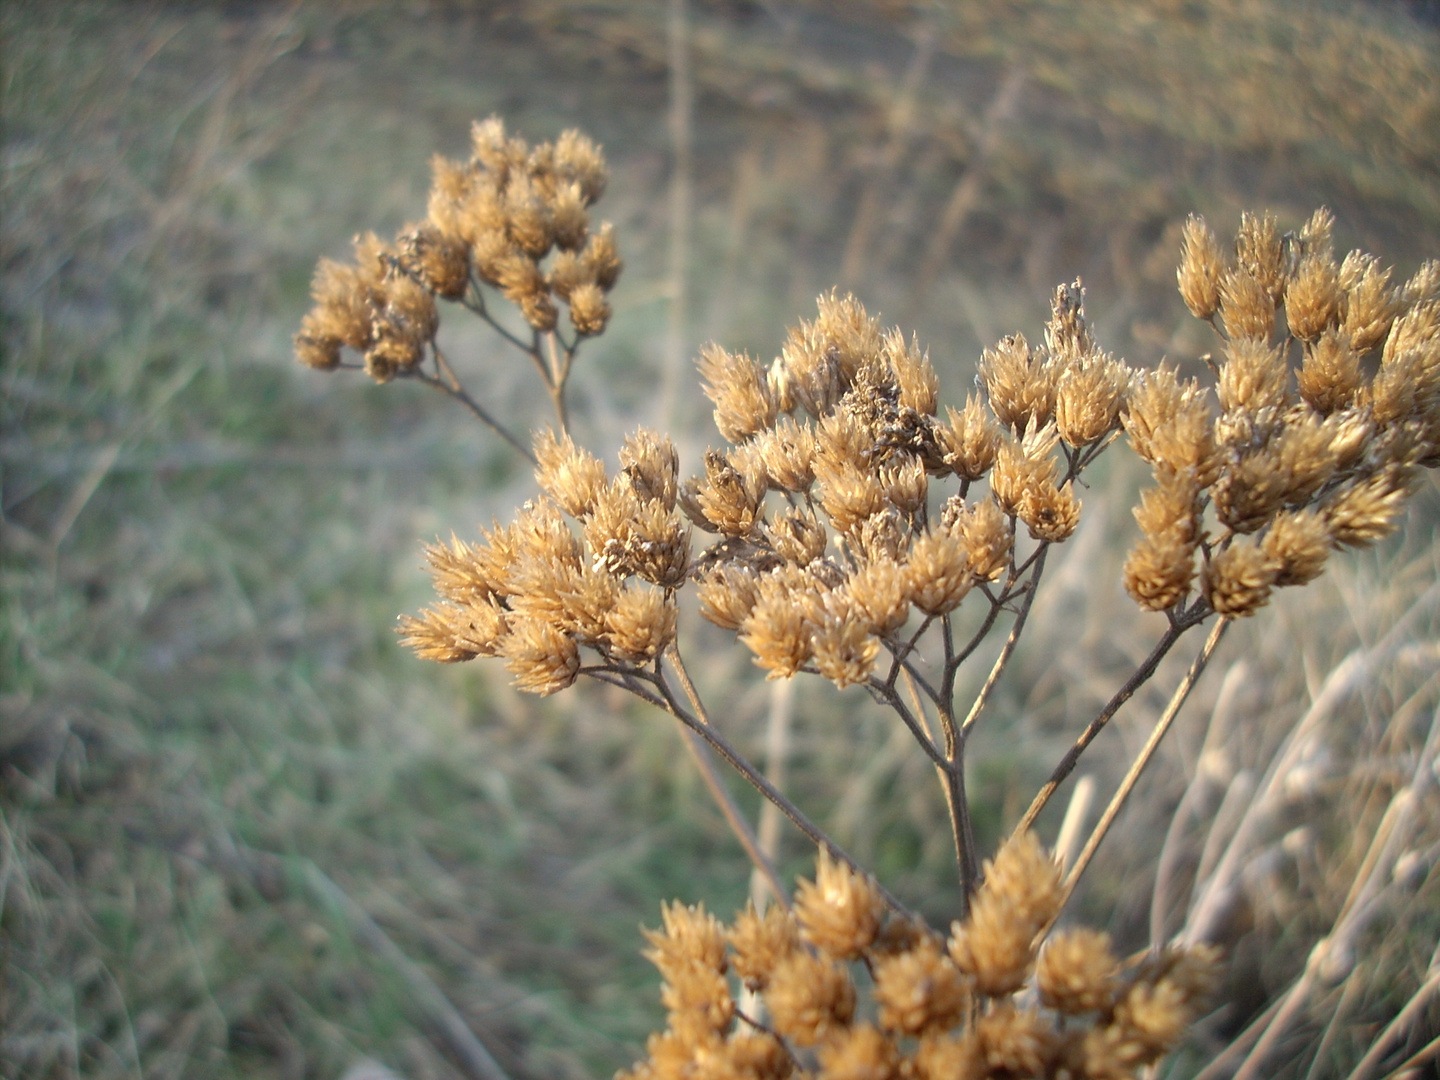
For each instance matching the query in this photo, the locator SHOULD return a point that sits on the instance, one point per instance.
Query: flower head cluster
(989, 1001)
(514, 217)
(844, 429)
(1298, 458)
(593, 563)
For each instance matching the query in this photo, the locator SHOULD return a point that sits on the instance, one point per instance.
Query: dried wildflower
(914, 376)
(840, 911)
(1015, 1042)
(314, 347)
(947, 1057)
(1362, 513)
(1076, 971)
(844, 650)
(879, 596)
(730, 498)
(651, 463)
(727, 595)
(600, 258)
(738, 387)
(797, 537)
(457, 571)
(788, 451)
(451, 633)
(1254, 375)
(757, 1054)
(641, 624)
(809, 997)
(862, 1052)
(689, 935)
(589, 310)
(776, 630)
(1313, 301)
(1202, 269)
(905, 485)
(1370, 301)
(1237, 580)
(920, 990)
(970, 440)
(761, 942)
(1088, 399)
(1171, 509)
(850, 495)
(1329, 376)
(438, 260)
(1016, 472)
(986, 536)
(1159, 571)
(1169, 424)
(1260, 252)
(937, 572)
(542, 658)
(1020, 895)
(1246, 305)
(1050, 513)
(1298, 543)
(571, 476)
(1020, 383)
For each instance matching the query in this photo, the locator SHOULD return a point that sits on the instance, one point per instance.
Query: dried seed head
(844, 650)
(862, 1052)
(450, 633)
(542, 658)
(1015, 1042)
(1362, 513)
(569, 223)
(1298, 543)
(1313, 301)
(883, 535)
(914, 377)
(848, 333)
(690, 935)
(788, 452)
(969, 440)
(809, 998)
(1020, 383)
(1050, 513)
(1370, 302)
(776, 630)
(755, 1054)
(651, 463)
(457, 571)
(493, 151)
(600, 258)
(840, 911)
(879, 596)
(797, 537)
(1246, 305)
(920, 990)
(1260, 252)
(738, 387)
(1171, 509)
(1424, 285)
(985, 534)
(438, 260)
(761, 942)
(732, 495)
(1021, 893)
(1315, 235)
(1169, 424)
(946, 1057)
(1153, 1017)
(572, 476)
(937, 572)
(315, 347)
(905, 485)
(849, 496)
(1159, 570)
(579, 160)
(728, 595)
(589, 310)
(1202, 269)
(1330, 377)
(1076, 971)
(1088, 399)
(1237, 580)
(641, 623)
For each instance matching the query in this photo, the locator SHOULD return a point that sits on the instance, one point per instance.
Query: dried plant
(850, 521)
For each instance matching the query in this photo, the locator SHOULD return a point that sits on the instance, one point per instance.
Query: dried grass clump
(989, 1001)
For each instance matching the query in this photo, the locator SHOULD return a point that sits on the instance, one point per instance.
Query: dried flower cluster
(535, 591)
(1298, 459)
(514, 217)
(988, 1001)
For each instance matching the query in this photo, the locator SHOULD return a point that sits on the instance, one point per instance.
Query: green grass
(205, 547)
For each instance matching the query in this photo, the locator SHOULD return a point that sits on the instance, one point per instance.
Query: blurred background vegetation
(213, 755)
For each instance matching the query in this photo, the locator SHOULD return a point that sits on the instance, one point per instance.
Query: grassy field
(221, 780)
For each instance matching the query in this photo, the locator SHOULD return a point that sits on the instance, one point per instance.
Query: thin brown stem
(757, 780)
(451, 385)
(1072, 756)
(558, 373)
(1142, 759)
(1010, 642)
